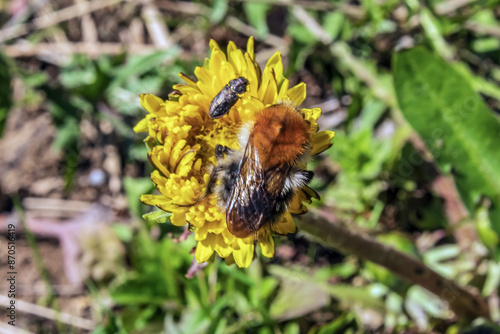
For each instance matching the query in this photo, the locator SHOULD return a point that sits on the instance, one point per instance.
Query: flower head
(182, 141)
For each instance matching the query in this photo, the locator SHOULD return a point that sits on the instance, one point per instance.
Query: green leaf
(297, 298)
(492, 282)
(422, 303)
(440, 259)
(292, 328)
(158, 216)
(138, 65)
(219, 10)
(134, 318)
(313, 286)
(338, 325)
(144, 289)
(489, 44)
(333, 23)
(134, 188)
(114, 325)
(351, 295)
(72, 78)
(123, 232)
(266, 287)
(458, 128)
(257, 13)
(67, 134)
(300, 33)
(483, 224)
(485, 17)
(371, 113)
(192, 321)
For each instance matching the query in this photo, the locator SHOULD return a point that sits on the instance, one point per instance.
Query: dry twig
(156, 27)
(356, 12)
(48, 313)
(450, 6)
(92, 50)
(482, 29)
(55, 18)
(8, 329)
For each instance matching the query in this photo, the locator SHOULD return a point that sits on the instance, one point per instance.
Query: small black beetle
(227, 97)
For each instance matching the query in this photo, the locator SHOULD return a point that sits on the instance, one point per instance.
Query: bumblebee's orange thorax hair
(280, 134)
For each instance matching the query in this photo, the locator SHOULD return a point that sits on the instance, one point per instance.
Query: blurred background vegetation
(411, 88)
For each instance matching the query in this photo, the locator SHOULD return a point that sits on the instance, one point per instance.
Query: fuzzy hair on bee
(256, 184)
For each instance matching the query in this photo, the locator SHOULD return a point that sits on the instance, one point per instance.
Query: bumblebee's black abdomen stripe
(228, 180)
(282, 203)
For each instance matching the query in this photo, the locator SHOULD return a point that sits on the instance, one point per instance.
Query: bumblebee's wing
(254, 195)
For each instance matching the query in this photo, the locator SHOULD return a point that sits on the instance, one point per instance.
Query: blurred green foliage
(464, 134)
(5, 91)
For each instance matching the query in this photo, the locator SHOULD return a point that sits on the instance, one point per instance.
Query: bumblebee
(256, 184)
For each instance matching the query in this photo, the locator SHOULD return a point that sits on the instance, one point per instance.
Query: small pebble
(97, 177)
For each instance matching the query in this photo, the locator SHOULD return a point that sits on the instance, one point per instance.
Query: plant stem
(462, 300)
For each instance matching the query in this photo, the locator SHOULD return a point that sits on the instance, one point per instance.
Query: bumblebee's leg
(211, 183)
(220, 151)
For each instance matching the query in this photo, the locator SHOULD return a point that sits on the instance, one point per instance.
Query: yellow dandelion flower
(182, 140)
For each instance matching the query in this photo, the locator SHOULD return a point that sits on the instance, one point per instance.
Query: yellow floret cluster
(182, 140)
